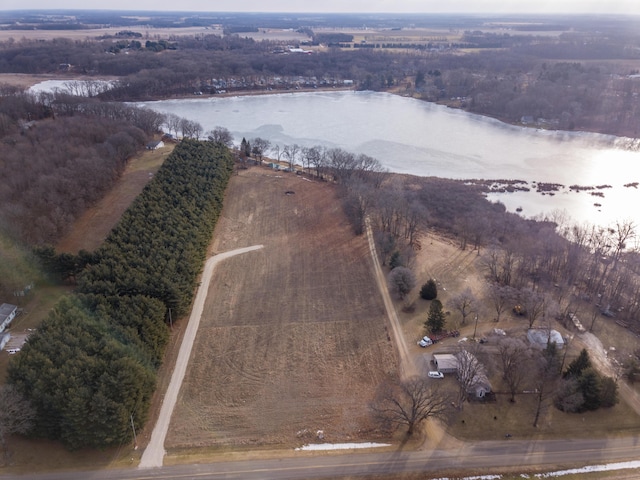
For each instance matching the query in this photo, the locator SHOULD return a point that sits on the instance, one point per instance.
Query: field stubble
(292, 338)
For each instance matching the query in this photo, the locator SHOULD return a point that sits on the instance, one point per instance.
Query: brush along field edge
(407, 367)
(153, 455)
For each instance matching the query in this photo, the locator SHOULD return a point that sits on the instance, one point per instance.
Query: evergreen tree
(577, 366)
(429, 290)
(609, 392)
(591, 388)
(435, 320)
(395, 260)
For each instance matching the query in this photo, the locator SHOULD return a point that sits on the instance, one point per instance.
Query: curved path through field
(154, 453)
(407, 366)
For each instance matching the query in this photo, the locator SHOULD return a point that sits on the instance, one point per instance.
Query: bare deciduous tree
(259, 147)
(501, 297)
(546, 376)
(465, 302)
(470, 371)
(402, 281)
(291, 152)
(533, 303)
(190, 129)
(172, 121)
(409, 403)
(16, 414)
(221, 135)
(515, 357)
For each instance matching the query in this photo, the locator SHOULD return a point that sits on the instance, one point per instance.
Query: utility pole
(170, 320)
(135, 439)
(475, 327)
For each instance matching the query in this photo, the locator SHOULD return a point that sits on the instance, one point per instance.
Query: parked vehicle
(435, 375)
(425, 342)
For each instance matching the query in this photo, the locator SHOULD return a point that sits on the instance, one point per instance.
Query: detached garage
(445, 362)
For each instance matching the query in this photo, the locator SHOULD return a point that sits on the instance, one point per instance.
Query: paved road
(485, 457)
(154, 453)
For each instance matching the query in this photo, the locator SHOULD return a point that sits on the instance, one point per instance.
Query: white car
(425, 342)
(435, 375)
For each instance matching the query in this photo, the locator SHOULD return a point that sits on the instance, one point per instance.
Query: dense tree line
(578, 80)
(90, 369)
(158, 247)
(62, 154)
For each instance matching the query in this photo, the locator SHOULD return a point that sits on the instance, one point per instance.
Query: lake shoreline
(26, 81)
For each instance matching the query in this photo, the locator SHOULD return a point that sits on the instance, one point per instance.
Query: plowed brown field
(293, 337)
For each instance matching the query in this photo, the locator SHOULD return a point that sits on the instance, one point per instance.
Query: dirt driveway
(154, 453)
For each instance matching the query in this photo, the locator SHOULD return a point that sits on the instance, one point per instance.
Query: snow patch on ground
(592, 468)
(341, 446)
(561, 473)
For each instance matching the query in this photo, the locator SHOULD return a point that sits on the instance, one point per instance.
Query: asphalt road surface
(482, 457)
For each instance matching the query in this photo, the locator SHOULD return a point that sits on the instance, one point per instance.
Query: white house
(4, 338)
(469, 364)
(155, 145)
(7, 313)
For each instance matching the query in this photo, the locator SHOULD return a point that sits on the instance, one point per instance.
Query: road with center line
(486, 457)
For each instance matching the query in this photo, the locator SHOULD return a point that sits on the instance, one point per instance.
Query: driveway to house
(407, 366)
(154, 453)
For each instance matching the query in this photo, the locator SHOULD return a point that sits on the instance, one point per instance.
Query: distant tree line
(90, 369)
(567, 81)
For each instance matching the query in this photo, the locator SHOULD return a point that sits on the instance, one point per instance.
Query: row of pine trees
(90, 369)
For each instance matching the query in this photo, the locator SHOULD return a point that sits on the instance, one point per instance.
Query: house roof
(7, 312)
(542, 336)
(445, 361)
(7, 309)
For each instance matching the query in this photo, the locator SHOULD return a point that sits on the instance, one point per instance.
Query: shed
(155, 145)
(541, 337)
(7, 313)
(445, 362)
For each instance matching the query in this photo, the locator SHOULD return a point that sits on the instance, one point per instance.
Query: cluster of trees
(54, 168)
(90, 369)
(583, 388)
(548, 267)
(578, 388)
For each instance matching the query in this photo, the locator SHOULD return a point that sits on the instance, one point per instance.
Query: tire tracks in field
(407, 366)
(153, 455)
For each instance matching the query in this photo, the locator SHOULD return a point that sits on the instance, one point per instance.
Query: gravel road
(154, 453)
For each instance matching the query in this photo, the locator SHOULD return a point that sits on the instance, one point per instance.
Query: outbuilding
(445, 362)
(155, 145)
(4, 338)
(7, 313)
(541, 337)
